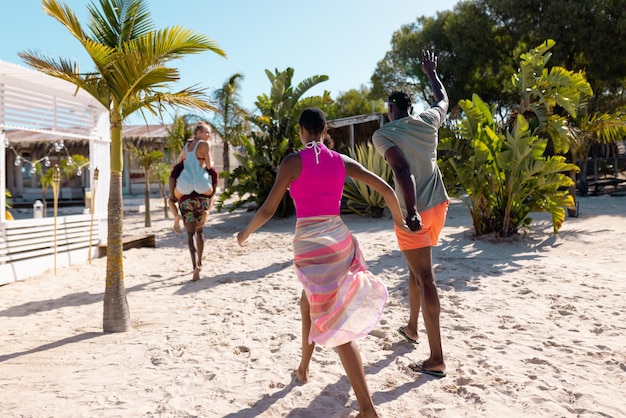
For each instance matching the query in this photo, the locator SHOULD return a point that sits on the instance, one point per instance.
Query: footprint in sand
(242, 349)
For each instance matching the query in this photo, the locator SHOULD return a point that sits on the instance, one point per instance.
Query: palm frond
(119, 21)
(64, 15)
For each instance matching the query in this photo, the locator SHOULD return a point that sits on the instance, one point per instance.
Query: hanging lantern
(18, 161)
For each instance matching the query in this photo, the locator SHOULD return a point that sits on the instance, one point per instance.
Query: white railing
(31, 246)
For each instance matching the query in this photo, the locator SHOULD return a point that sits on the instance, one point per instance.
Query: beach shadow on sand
(69, 340)
(332, 399)
(72, 299)
(231, 277)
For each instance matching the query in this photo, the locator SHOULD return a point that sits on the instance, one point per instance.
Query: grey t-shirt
(417, 138)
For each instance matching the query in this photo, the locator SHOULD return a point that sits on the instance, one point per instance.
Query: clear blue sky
(343, 39)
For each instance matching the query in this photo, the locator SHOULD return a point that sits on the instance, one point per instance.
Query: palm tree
(146, 159)
(598, 128)
(275, 137)
(130, 75)
(67, 167)
(230, 121)
(177, 136)
(162, 171)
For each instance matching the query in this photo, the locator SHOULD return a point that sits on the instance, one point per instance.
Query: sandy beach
(532, 327)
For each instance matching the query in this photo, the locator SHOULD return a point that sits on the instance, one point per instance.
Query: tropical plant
(163, 171)
(67, 167)
(275, 137)
(550, 95)
(146, 158)
(45, 181)
(505, 172)
(8, 206)
(131, 74)
(360, 198)
(589, 130)
(551, 100)
(230, 121)
(177, 135)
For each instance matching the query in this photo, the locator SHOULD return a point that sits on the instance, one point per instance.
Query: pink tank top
(318, 189)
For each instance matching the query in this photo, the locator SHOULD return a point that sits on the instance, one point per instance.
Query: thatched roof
(137, 134)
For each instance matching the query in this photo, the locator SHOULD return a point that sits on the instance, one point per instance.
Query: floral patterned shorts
(193, 208)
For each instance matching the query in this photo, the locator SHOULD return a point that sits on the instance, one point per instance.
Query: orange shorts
(432, 223)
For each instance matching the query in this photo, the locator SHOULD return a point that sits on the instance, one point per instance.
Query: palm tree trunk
(45, 202)
(148, 219)
(116, 313)
(226, 156)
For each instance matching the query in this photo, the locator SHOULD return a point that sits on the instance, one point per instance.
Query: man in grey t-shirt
(409, 145)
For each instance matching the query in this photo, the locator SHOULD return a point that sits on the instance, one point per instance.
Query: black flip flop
(417, 367)
(402, 332)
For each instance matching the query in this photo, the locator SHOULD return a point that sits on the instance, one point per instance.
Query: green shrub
(505, 172)
(360, 198)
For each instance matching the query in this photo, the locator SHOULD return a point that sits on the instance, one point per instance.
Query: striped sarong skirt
(346, 299)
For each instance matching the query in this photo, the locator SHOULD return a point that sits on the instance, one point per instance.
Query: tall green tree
(130, 74)
(479, 42)
(474, 56)
(163, 171)
(275, 136)
(590, 36)
(146, 159)
(356, 102)
(230, 120)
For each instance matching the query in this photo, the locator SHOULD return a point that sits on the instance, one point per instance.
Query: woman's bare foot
(176, 226)
(302, 376)
(196, 274)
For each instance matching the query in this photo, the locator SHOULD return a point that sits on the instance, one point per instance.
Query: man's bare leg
(199, 245)
(420, 263)
(415, 296)
(191, 228)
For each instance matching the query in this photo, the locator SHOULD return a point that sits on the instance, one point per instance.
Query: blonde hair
(201, 126)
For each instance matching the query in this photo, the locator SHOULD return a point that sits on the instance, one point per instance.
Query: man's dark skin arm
(406, 181)
(429, 67)
(395, 157)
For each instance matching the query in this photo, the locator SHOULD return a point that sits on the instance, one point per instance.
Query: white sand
(532, 327)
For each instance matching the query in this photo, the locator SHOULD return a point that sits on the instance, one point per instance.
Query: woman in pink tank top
(341, 299)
